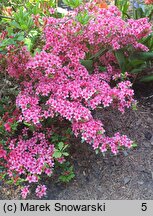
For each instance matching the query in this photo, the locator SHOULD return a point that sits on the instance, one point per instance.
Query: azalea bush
(75, 70)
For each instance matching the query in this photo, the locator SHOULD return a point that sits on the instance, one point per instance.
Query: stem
(133, 9)
(56, 3)
(6, 17)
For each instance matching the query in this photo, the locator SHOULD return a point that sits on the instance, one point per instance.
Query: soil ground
(128, 175)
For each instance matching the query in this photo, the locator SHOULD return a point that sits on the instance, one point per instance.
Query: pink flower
(10, 120)
(32, 178)
(2, 153)
(48, 171)
(61, 160)
(7, 127)
(52, 10)
(25, 191)
(41, 190)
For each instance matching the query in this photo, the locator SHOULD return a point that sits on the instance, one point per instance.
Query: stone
(151, 140)
(148, 135)
(146, 144)
(125, 153)
(152, 174)
(140, 182)
(127, 180)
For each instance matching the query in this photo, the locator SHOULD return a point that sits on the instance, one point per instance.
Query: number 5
(144, 207)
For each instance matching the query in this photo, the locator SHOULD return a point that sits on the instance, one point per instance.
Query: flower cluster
(25, 191)
(16, 59)
(40, 191)
(60, 85)
(30, 158)
(66, 80)
(37, 156)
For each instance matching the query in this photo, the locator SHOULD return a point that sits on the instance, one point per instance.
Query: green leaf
(3, 52)
(97, 151)
(134, 106)
(82, 140)
(3, 176)
(69, 131)
(71, 176)
(83, 17)
(24, 27)
(98, 54)
(1, 109)
(14, 126)
(134, 62)
(28, 42)
(65, 154)
(146, 39)
(57, 154)
(27, 124)
(20, 181)
(142, 56)
(72, 3)
(88, 64)
(134, 145)
(140, 13)
(100, 132)
(125, 7)
(102, 68)
(60, 145)
(121, 60)
(147, 78)
(137, 70)
(65, 147)
(20, 38)
(55, 138)
(33, 33)
(146, 55)
(15, 24)
(10, 181)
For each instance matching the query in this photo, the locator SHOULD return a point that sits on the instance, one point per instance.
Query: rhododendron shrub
(75, 72)
(58, 84)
